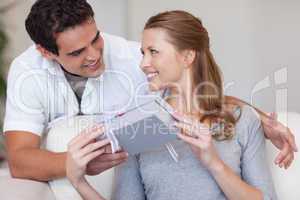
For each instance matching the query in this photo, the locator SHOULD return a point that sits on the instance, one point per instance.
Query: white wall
(251, 40)
(111, 16)
(15, 27)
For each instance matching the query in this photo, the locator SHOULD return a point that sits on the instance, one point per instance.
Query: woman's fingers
(185, 128)
(92, 156)
(181, 118)
(87, 136)
(189, 139)
(80, 135)
(194, 130)
(93, 146)
(196, 135)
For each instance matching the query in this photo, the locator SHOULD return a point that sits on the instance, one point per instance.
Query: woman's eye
(153, 51)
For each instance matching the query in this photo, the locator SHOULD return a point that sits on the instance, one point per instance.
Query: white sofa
(15, 189)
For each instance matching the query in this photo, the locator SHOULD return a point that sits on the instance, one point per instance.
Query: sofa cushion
(58, 137)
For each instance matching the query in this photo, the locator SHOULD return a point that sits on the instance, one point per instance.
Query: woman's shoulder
(248, 126)
(247, 115)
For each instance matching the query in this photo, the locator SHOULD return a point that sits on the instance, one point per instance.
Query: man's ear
(189, 57)
(45, 53)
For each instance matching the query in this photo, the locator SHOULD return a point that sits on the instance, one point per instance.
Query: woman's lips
(152, 75)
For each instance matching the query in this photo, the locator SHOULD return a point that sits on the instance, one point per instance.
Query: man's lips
(93, 64)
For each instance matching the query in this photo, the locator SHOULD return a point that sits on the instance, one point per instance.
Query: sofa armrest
(16, 189)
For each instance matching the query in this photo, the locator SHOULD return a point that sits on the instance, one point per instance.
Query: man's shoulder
(31, 58)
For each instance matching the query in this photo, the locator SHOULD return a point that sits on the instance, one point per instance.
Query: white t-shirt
(38, 92)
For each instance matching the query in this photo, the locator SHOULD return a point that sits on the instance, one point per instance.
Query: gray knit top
(156, 176)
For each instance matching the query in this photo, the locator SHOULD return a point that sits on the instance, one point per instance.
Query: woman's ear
(45, 53)
(189, 57)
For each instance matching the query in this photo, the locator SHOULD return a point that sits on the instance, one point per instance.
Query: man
(72, 69)
(68, 55)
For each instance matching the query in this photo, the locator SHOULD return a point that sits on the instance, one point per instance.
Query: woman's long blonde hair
(186, 32)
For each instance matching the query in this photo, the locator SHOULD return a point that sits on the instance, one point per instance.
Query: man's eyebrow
(76, 51)
(83, 48)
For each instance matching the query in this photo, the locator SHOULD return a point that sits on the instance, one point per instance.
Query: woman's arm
(254, 167)
(280, 135)
(201, 143)
(86, 191)
(81, 150)
(232, 185)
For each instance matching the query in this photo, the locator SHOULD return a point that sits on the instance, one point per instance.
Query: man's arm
(280, 135)
(239, 102)
(27, 160)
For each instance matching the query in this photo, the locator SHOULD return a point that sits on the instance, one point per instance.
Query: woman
(228, 163)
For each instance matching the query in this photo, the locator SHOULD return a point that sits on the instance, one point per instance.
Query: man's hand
(282, 138)
(87, 155)
(279, 135)
(105, 161)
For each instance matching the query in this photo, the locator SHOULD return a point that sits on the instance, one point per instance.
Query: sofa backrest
(286, 181)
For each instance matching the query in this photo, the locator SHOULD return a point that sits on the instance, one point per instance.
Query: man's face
(81, 50)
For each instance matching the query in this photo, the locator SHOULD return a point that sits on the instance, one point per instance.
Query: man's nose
(93, 54)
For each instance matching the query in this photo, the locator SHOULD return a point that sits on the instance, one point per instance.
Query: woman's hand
(200, 140)
(81, 150)
(282, 138)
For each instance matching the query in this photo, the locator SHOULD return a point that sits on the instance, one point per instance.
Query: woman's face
(162, 63)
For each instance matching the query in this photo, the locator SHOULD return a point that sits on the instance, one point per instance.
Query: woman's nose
(145, 62)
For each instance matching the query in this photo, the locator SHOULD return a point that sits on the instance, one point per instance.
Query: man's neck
(65, 71)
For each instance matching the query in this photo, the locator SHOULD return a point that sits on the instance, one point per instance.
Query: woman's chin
(155, 87)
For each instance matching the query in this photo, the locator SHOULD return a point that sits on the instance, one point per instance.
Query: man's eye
(95, 40)
(77, 53)
(142, 52)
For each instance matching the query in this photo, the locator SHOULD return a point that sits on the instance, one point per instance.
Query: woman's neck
(181, 95)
